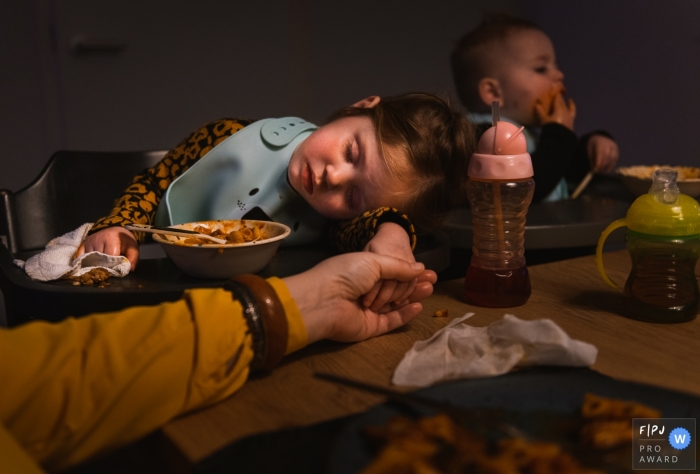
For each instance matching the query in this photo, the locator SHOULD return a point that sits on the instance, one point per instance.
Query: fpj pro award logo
(663, 443)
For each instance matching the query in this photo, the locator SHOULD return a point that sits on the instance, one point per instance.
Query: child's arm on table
(139, 202)
(390, 239)
(383, 231)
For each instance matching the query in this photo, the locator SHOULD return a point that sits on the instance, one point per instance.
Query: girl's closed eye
(541, 69)
(348, 152)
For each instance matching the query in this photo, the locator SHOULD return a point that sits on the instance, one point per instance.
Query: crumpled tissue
(461, 351)
(58, 259)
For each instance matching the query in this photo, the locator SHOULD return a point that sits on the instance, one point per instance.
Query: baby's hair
(471, 58)
(437, 141)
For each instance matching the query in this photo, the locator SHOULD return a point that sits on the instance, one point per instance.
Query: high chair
(74, 187)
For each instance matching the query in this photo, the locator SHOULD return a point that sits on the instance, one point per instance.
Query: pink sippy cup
(499, 190)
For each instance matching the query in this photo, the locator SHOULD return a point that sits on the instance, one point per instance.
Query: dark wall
(185, 63)
(633, 68)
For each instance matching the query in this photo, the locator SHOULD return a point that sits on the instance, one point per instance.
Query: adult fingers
(421, 291)
(393, 319)
(407, 288)
(429, 276)
(392, 268)
(370, 296)
(385, 294)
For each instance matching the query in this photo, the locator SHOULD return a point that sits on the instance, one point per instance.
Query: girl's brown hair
(436, 140)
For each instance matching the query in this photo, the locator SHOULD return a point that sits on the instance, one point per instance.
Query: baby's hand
(553, 108)
(390, 239)
(112, 241)
(602, 153)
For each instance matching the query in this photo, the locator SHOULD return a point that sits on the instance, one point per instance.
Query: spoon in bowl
(173, 231)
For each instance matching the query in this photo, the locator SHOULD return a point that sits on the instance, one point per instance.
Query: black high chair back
(74, 187)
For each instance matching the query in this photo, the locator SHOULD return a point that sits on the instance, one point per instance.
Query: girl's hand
(602, 153)
(112, 241)
(553, 108)
(390, 239)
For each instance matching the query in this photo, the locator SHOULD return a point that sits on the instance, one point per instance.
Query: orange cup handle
(599, 251)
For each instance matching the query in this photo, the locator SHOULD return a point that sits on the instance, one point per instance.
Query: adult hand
(553, 108)
(602, 153)
(112, 241)
(328, 295)
(390, 239)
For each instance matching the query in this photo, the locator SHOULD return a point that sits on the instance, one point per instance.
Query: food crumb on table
(441, 313)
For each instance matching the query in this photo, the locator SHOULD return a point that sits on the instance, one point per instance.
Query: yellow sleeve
(77, 388)
(13, 459)
(298, 337)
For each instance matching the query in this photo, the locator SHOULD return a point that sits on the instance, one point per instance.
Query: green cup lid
(664, 210)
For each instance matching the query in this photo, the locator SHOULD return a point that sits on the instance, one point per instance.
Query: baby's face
(526, 72)
(340, 171)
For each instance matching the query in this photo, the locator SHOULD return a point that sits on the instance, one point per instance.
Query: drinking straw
(496, 186)
(495, 117)
(512, 137)
(498, 208)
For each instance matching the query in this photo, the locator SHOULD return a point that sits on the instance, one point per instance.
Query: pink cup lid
(501, 154)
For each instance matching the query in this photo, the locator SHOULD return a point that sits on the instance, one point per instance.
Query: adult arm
(102, 381)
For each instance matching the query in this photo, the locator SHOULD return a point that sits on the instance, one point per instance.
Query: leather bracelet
(253, 317)
(274, 318)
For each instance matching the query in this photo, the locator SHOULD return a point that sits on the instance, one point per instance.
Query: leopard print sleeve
(139, 202)
(353, 235)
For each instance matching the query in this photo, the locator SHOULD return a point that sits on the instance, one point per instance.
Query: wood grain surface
(570, 292)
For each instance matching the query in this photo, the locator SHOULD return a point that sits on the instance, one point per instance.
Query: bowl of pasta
(638, 178)
(249, 246)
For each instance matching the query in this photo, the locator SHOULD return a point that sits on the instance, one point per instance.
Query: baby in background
(512, 61)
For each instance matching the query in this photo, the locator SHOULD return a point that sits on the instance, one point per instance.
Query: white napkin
(57, 260)
(462, 351)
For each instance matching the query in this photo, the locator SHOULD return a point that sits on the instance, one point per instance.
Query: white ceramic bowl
(638, 179)
(223, 261)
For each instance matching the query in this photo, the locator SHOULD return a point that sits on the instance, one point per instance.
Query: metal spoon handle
(171, 231)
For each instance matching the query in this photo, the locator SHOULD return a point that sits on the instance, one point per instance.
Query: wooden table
(569, 292)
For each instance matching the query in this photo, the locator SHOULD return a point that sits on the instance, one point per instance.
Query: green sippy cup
(663, 238)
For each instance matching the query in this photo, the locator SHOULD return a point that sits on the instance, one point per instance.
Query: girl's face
(526, 72)
(340, 171)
